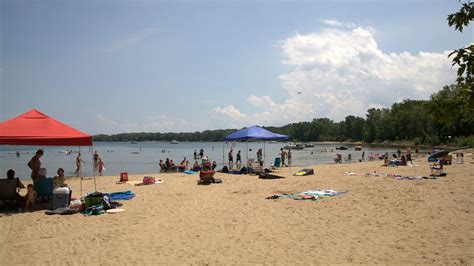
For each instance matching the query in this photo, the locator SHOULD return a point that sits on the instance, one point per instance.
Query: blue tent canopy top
(254, 133)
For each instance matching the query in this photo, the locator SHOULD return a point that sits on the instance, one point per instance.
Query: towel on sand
(311, 194)
(121, 195)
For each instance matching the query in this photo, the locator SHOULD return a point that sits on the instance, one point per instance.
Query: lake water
(143, 157)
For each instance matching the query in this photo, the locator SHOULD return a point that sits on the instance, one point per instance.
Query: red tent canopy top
(36, 128)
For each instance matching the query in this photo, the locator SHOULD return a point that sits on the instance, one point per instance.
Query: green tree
(464, 57)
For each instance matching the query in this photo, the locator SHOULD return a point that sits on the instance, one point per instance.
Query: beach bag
(124, 177)
(94, 199)
(149, 180)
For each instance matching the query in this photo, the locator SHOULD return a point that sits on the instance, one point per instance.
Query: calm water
(143, 157)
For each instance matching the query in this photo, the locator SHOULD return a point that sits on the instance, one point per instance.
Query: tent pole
(93, 168)
(264, 154)
(247, 147)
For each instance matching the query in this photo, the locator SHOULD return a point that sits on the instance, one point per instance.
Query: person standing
(96, 160)
(79, 161)
(283, 156)
(35, 164)
(231, 158)
(101, 165)
(363, 155)
(238, 160)
(259, 157)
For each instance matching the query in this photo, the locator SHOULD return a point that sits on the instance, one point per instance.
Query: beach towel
(121, 195)
(309, 195)
(190, 172)
(413, 177)
(62, 211)
(94, 210)
(270, 176)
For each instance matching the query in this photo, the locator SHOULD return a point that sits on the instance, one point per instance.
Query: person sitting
(162, 166)
(206, 175)
(214, 165)
(385, 161)
(182, 166)
(172, 166)
(42, 173)
(58, 181)
(168, 164)
(403, 161)
(11, 175)
(196, 166)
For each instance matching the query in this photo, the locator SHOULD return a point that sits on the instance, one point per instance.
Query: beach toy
(114, 211)
(304, 172)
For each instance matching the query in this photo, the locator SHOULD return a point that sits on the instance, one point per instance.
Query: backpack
(225, 169)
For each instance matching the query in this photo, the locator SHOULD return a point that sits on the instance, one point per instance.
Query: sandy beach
(378, 220)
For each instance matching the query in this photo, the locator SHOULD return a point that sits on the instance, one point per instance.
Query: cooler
(61, 197)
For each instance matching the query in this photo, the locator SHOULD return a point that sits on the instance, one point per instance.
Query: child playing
(30, 197)
(101, 165)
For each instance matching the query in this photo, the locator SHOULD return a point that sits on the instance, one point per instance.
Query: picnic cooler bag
(94, 199)
(124, 177)
(61, 197)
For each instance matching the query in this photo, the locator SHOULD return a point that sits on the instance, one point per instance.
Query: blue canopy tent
(254, 133)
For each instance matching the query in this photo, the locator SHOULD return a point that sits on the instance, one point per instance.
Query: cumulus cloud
(341, 71)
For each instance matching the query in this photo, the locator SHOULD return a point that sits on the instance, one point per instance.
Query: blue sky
(128, 66)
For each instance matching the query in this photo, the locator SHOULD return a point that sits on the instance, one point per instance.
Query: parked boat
(308, 145)
(133, 142)
(341, 148)
(358, 146)
(174, 142)
(294, 147)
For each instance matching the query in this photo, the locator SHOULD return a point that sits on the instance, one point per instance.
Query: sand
(379, 220)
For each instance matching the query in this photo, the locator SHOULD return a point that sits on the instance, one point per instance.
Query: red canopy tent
(36, 128)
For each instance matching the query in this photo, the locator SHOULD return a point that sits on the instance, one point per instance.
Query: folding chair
(8, 193)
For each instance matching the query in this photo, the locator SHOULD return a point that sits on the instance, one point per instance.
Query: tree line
(446, 118)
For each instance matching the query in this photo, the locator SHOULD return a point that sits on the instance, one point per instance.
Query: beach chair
(44, 187)
(256, 168)
(8, 193)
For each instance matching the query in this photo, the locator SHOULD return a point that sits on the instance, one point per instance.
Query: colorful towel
(413, 177)
(311, 194)
(190, 172)
(121, 195)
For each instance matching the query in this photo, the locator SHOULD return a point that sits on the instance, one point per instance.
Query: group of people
(169, 166)
(37, 172)
(238, 159)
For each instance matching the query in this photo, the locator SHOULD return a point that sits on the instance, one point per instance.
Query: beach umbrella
(439, 154)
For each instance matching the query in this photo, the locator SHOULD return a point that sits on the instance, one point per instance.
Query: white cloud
(132, 39)
(335, 23)
(341, 71)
